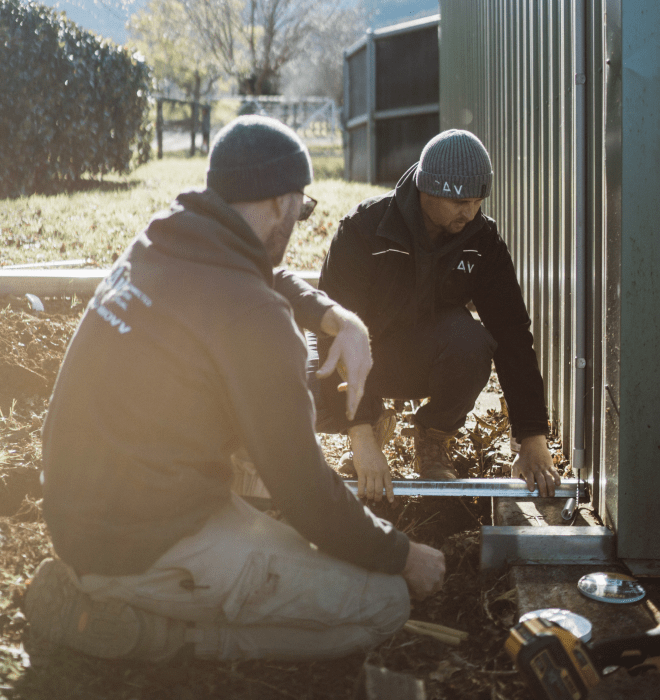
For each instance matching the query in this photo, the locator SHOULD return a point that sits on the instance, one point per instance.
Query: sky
(109, 19)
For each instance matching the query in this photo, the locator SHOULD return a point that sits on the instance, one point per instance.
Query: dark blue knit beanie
(255, 158)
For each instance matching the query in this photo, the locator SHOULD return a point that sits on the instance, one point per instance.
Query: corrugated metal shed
(390, 99)
(566, 97)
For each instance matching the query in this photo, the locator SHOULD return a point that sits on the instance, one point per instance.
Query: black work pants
(447, 358)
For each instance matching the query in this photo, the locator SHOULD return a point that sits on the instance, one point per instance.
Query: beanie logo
(447, 188)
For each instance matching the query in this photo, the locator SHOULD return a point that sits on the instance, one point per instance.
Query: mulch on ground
(32, 347)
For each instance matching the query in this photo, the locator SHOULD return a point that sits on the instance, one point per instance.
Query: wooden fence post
(206, 128)
(159, 126)
(193, 128)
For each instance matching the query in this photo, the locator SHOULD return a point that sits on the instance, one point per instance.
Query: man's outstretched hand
(534, 464)
(349, 353)
(370, 463)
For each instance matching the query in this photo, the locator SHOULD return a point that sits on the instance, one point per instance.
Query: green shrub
(71, 103)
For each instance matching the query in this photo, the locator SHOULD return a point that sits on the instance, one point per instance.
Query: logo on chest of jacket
(466, 265)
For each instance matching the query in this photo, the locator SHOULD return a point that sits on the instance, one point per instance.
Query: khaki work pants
(252, 587)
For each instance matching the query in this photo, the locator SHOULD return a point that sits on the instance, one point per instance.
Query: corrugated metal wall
(390, 100)
(539, 81)
(514, 73)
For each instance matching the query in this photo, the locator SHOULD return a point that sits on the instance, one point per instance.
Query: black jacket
(189, 350)
(382, 265)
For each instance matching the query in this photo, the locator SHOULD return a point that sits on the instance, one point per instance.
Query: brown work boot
(433, 453)
(62, 615)
(383, 432)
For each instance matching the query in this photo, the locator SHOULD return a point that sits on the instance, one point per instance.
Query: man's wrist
(335, 318)
(331, 321)
(362, 437)
(359, 430)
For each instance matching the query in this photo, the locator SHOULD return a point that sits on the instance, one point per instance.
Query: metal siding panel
(401, 83)
(565, 225)
(372, 145)
(612, 360)
(596, 241)
(639, 438)
(357, 81)
(507, 75)
(540, 178)
(400, 143)
(535, 231)
(525, 163)
(555, 220)
(579, 145)
(358, 154)
(515, 189)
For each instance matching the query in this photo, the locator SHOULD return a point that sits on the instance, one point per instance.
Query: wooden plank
(52, 283)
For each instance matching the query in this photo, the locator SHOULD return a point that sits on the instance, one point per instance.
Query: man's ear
(279, 207)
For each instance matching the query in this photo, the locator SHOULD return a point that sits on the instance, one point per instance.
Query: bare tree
(254, 39)
(318, 67)
(162, 32)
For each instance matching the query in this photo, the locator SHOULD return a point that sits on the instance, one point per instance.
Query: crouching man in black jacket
(407, 263)
(188, 353)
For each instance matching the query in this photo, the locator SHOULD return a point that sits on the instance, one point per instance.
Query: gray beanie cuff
(454, 186)
(288, 173)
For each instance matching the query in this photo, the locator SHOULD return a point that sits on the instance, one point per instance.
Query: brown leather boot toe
(433, 453)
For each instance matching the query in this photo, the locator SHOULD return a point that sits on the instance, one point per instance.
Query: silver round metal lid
(570, 621)
(611, 587)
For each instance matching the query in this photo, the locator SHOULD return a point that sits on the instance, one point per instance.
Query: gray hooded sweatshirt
(188, 350)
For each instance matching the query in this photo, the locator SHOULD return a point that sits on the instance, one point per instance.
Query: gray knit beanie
(454, 164)
(255, 158)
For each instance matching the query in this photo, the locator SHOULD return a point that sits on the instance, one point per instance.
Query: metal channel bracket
(556, 544)
(502, 488)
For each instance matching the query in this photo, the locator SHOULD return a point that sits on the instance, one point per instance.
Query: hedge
(71, 103)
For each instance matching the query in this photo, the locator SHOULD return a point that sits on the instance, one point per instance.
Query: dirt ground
(31, 350)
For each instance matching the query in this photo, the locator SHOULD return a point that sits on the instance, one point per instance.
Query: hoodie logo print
(118, 290)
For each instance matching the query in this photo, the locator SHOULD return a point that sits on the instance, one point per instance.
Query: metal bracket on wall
(507, 488)
(508, 544)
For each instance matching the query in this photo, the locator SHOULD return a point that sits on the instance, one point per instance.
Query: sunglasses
(308, 206)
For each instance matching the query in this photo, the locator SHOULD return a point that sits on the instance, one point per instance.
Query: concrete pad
(541, 586)
(546, 586)
(538, 512)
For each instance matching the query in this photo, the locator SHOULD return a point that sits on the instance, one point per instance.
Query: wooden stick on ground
(439, 632)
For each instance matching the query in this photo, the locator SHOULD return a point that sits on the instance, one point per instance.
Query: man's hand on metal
(534, 463)
(370, 463)
(349, 353)
(424, 571)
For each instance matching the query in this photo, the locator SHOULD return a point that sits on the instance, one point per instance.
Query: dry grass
(97, 222)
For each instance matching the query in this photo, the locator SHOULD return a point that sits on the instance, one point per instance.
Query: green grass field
(97, 222)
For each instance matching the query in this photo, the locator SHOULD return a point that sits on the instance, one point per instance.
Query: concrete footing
(554, 584)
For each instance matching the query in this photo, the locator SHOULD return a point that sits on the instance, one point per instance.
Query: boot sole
(60, 614)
